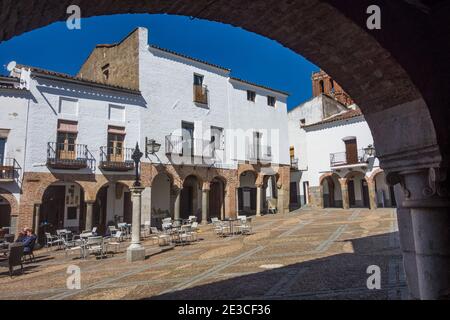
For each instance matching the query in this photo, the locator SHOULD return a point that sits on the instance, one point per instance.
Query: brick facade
(325, 84)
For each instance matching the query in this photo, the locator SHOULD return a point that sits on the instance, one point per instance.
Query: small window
(322, 86)
(302, 122)
(271, 101)
(105, 71)
(198, 80)
(251, 95)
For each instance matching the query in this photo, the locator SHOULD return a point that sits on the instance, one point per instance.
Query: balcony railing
(201, 94)
(67, 156)
(177, 145)
(9, 169)
(294, 164)
(344, 159)
(260, 154)
(116, 159)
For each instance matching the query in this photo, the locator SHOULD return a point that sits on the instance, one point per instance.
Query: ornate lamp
(151, 147)
(369, 151)
(137, 156)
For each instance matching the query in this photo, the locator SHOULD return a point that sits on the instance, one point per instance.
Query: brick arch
(387, 60)
(9, 197)
(95, 189)
(161, 171)
(201, 180)
(372, 177)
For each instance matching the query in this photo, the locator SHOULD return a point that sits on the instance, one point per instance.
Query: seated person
(29, 241)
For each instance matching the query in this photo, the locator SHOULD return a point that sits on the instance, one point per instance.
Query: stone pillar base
(135, 252)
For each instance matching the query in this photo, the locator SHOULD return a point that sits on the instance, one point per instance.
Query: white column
(37, 213)
(427, 198)
(259, 189)
(89, 215)
(136, 252)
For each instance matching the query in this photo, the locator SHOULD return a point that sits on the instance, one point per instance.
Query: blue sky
(250, 56)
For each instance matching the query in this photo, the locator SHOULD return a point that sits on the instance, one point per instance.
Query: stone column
(372, 195)
(177, 208)
(259, 189)
(344, 191)
(89, 215)
(427, 198)
(136, 252)
(205, 204)
(37, 217)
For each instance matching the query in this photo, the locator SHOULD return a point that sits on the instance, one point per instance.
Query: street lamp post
(136, 252)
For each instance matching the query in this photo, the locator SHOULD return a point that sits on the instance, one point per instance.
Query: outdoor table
(231, 221)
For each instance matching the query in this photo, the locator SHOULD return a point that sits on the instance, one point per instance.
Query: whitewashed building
(214, 145)
(333, 158)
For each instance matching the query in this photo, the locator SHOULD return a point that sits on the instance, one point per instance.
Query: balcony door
(2, 150)
(351, 149)
(66, 140)
(115, 147)
(188, 139)
(257, 136)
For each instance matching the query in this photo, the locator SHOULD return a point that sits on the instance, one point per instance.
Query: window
(271, 101)
(251, 95)
(292, 153)
(322, 86)
(302, 122)
(116, 137)
(198, 80)
(66, 139)
(116, 113)
(68, 106)
(217, 138)
(105, 71)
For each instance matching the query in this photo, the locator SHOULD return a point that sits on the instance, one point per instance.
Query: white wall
(326, 139)
(13, 117)
(92, 118)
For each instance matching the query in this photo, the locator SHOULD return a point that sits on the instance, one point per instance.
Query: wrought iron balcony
(259, 153)
(345, 159)
(67, 156)
(294, 164)
(9, 169)
(177, 145)
(201, 94)
(116, 159)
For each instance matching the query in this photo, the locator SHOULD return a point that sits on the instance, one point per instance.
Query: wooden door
(66, 145)
(115, 147)
(216, 199)
(365, 194)
(351, 149)
(293, 193)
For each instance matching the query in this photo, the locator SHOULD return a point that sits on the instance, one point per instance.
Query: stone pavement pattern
(307, 254)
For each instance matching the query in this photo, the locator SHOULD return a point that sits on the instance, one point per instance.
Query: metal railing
(294, 164)
(116, 158)
(201, 94)
(259, 153)
(9, 169)
(177, 145)
(341, 158)
(67, 155)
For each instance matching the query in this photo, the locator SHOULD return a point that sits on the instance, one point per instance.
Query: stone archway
(8, 210)
(400, 97)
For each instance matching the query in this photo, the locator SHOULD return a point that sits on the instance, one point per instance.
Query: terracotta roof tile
(339, 117)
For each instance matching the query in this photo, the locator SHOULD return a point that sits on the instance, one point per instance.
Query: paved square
(307, 254)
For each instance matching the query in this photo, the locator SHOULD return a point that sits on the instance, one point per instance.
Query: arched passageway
(63, 207)
(384, 193)
(247, 193)
(332, 192)
(191, 198)
(358, 190)
(161, 199)
(269, 196)
(217, 199)
(379, 68)
(112, 205)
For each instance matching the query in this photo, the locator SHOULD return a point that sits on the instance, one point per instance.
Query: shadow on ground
(341, 276)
